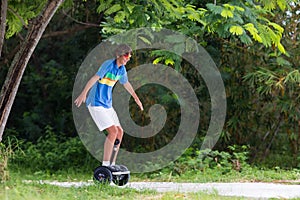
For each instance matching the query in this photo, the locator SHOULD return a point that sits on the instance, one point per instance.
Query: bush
(53, 153)
(4, 154)
(235, 159)
(7, 152)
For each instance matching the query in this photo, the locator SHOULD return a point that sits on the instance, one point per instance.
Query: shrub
(7, 152)
(234, 159)
(53, 153)
(4, 153)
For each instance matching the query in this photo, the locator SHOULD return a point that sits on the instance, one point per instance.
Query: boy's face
(124, 58)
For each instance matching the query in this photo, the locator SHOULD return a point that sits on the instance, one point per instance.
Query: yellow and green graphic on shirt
(109, 79)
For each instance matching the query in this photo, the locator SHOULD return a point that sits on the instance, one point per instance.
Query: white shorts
(104, 117)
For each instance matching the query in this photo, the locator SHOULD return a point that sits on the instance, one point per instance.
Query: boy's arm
(131, 91)
(82, 97)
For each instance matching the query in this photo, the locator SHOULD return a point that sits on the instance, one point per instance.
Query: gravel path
(251, 190)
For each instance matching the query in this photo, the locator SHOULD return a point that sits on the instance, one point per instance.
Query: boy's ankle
(105, 163)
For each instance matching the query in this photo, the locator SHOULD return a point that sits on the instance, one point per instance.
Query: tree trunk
(19, 63)
(2, 23)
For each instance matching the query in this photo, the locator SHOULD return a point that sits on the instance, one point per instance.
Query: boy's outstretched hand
(80, 99)
(139, 103)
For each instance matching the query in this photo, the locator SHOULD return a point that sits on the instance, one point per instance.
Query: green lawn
(16, 189)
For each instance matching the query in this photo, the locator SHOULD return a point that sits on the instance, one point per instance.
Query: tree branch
(79, 22)
(65, 32)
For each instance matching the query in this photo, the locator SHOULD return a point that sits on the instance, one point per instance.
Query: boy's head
(123, 49)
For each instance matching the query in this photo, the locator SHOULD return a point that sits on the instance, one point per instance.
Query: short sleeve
(104, 68)
(124, 78)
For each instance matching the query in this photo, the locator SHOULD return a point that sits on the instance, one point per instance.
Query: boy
(99, 99)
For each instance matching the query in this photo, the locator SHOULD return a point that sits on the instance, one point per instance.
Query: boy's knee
(112, 133)
(115, 132)
(120, 130)
(112, 130)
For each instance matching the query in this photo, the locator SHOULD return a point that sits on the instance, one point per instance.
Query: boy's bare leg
(119, 137)
(114, 132)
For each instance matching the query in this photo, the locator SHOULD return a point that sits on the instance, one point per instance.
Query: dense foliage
(255, 45)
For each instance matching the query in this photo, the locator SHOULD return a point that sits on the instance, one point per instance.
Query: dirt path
(251, 190)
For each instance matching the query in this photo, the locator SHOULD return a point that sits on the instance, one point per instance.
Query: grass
(48, 192)
(214, 175)
(185, 170)
(15, 188)
(250, 174)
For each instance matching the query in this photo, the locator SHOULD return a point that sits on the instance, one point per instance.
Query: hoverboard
(107, 174)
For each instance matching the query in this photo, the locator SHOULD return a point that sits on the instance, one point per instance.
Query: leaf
(169, 61)
(157, 60)
(226, 13)
(113, 9)
(268, 4)
(282, 62)
(282, 4)
(246, 39)
(265, 35)
(293, 76)
(236, 30)
(253, 31)
(145, 40)
(104, 5)
(214, 9)
(14, 26)
(239, 8)
(257, 37)
(194, 16)
(223, 31)
(250, 27)
(281, 48)
(120, 16)
(277, 27)
(237, 18)
(228, 6)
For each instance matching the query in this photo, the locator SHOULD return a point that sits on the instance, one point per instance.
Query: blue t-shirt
(101, 93)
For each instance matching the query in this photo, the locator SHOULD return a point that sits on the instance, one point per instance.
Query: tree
(250, 31)
(260, 84)
(19, 63)
(275, 86)
(2, 23)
